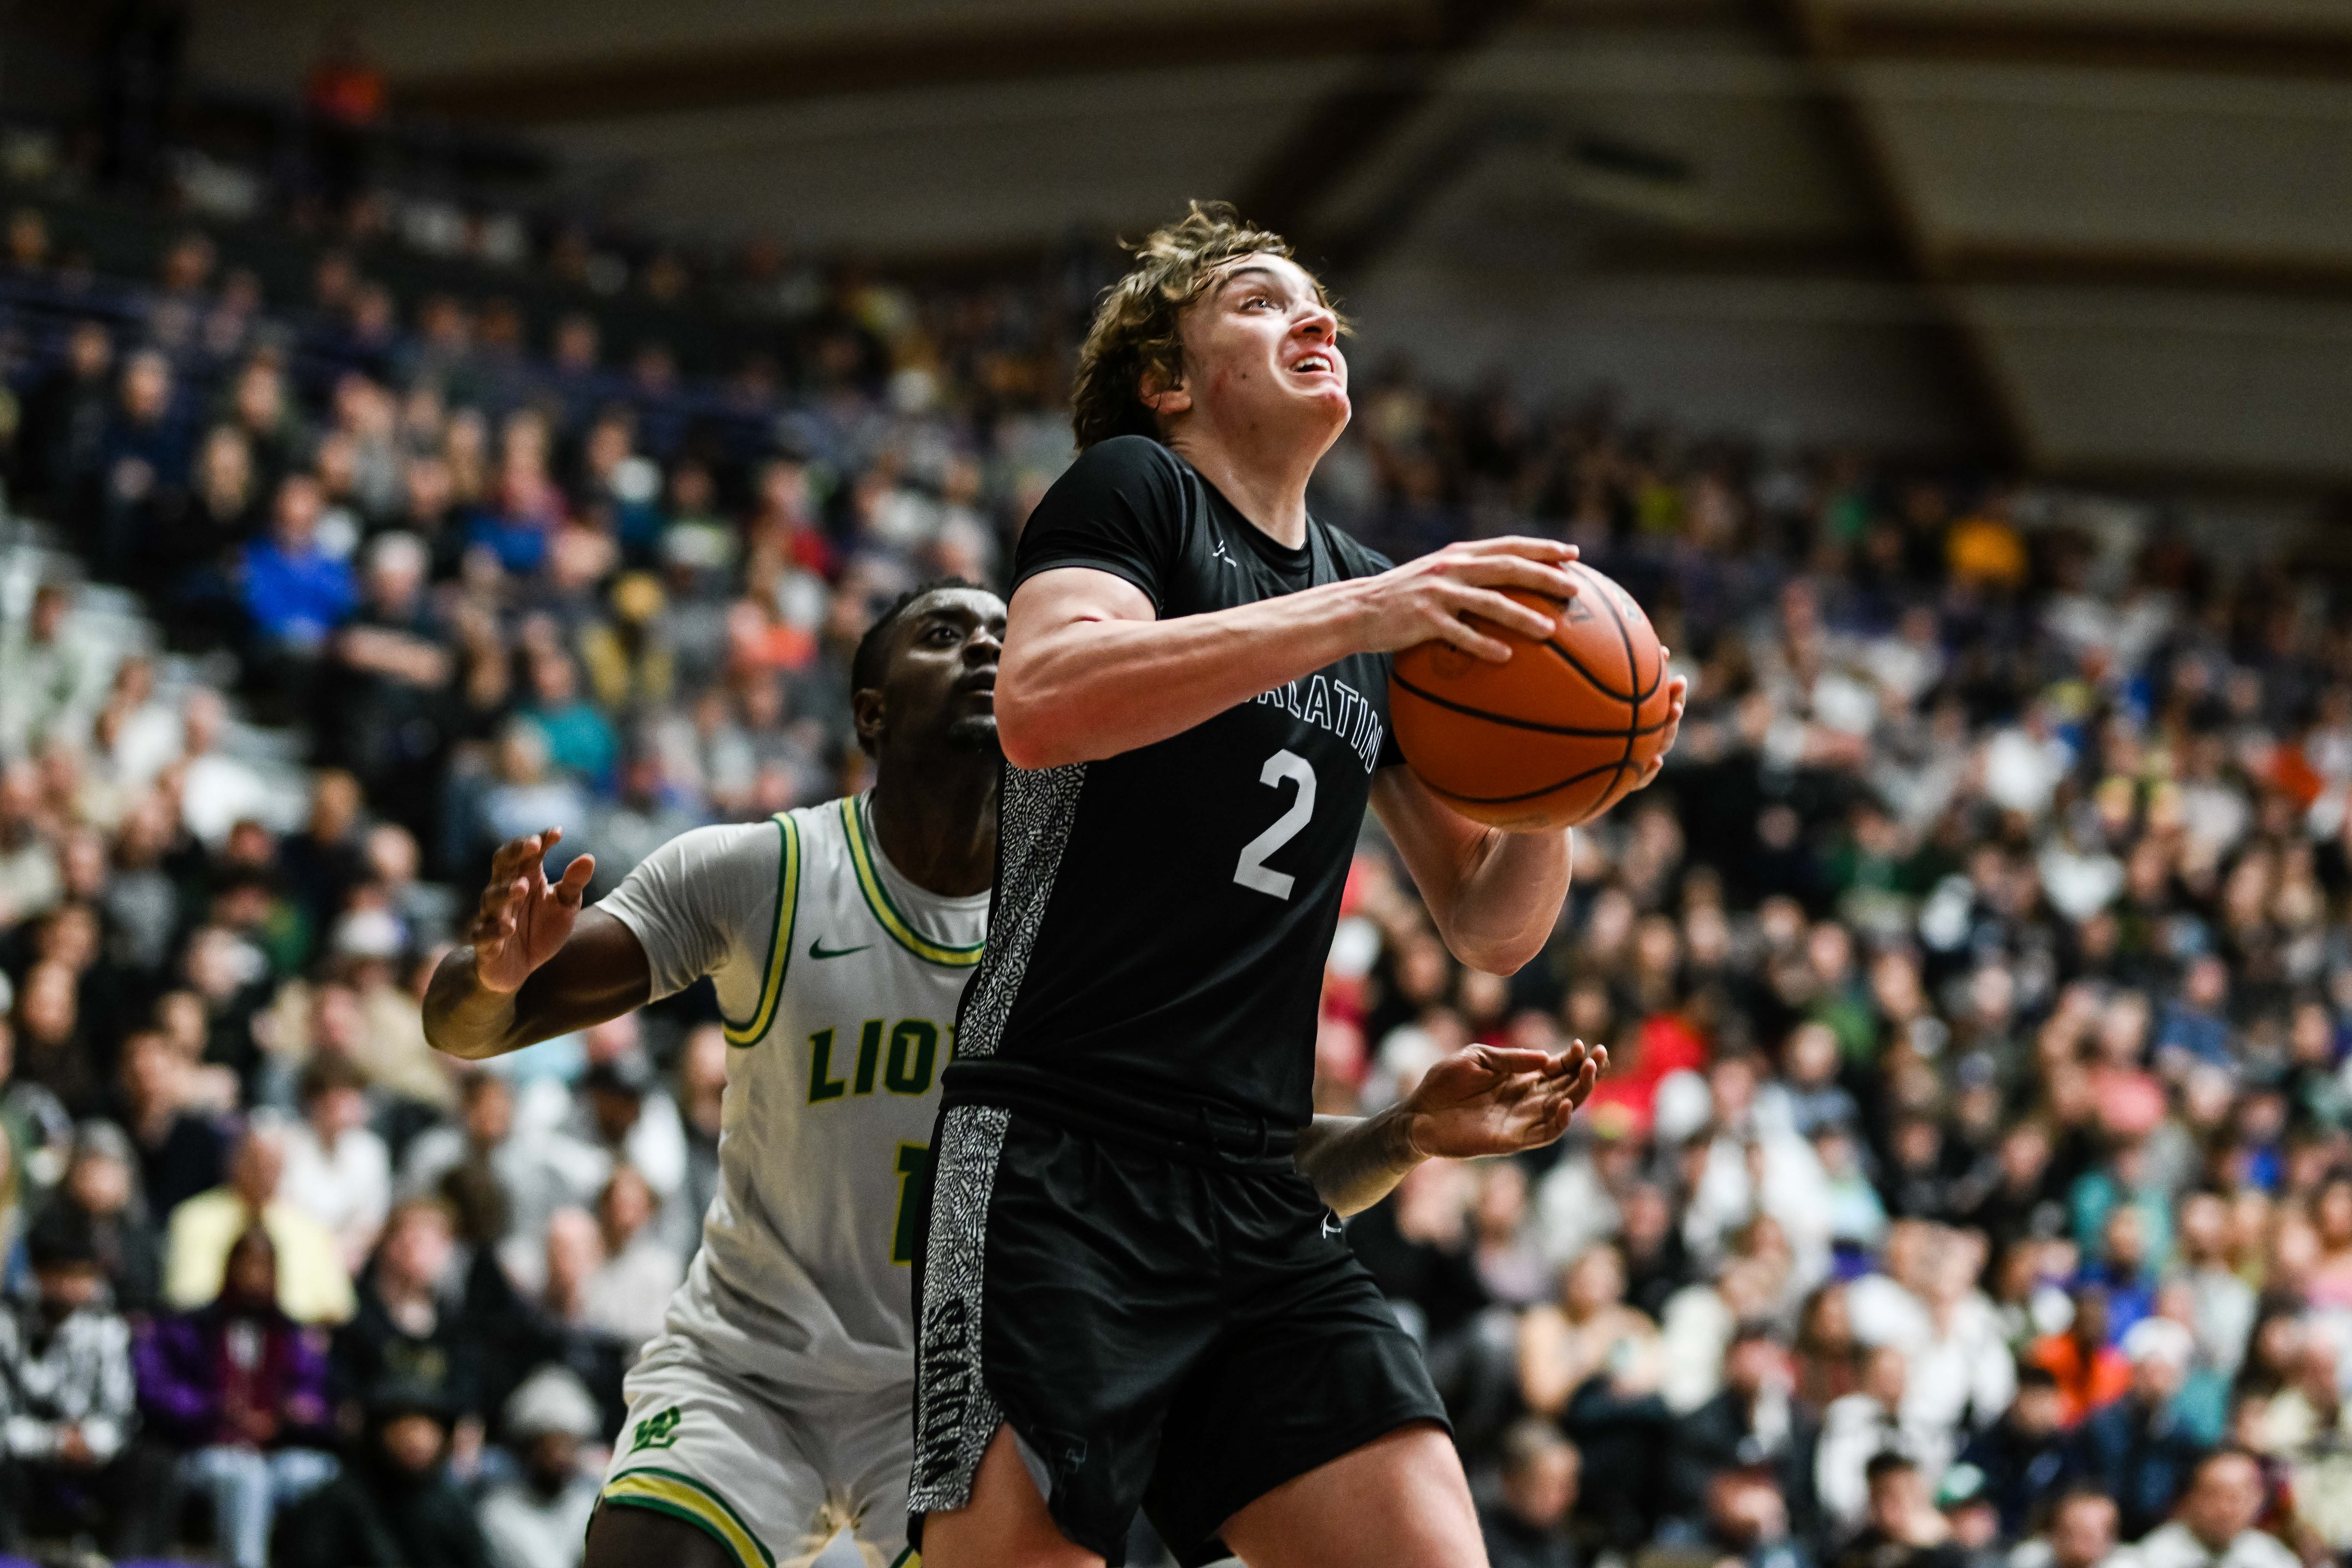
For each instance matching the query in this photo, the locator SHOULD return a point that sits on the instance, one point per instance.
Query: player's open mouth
(1312, 364)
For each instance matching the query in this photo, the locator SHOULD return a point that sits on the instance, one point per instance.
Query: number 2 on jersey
(1252, 872)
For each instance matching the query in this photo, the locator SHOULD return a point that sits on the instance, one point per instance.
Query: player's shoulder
(1354, 557)
(1136, 467)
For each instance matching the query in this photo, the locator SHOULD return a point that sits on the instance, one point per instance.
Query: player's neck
(937, 820)
(1266, 482)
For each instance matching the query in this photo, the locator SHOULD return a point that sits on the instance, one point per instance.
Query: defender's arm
(1485, 1099)
(535, 964)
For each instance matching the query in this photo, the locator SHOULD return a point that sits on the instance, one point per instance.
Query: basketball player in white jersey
(776, 1407)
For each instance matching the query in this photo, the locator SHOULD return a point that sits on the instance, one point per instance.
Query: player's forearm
(1356, 1160)
(463, 1018)
(1493, 896)
(1508, 898)
(1093, 688)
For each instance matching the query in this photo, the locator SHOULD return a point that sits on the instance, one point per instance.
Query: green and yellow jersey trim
(779, 950)
(684, 1498)
(888, 915)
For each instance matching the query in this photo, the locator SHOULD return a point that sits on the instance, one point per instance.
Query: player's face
(1261, 348)
(942, 686)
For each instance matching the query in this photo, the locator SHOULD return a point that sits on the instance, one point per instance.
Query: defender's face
(940, 688)
(1262, 348)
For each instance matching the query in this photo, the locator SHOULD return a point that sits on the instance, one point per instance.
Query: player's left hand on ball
(1500, 1099)
(1678, 694)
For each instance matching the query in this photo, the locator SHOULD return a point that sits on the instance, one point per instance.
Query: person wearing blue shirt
(295, 593)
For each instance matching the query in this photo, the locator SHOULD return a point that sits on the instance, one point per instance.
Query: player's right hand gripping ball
(1554, 736)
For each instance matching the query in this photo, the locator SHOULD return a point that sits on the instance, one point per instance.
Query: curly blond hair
(1134, 332)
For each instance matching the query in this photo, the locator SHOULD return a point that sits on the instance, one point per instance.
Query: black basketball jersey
(1163, 916)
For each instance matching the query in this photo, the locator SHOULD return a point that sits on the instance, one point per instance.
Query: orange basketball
(1554, 736)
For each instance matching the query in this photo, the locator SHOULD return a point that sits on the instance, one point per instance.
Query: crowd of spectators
(1972, 1180)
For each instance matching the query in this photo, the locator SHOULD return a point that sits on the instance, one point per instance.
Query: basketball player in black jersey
(1130, 1290)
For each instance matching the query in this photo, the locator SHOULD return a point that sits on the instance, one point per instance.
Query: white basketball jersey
(838, 979)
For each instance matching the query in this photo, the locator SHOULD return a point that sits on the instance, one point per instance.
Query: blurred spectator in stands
(241, 1390)
(1969, 1514)
(580, 739)
(1747, 1522)
(1751, 1423)
(2307, 1426)
(1862, 1425)
(53, 1049)
(1561, 1347)
(388, 673)
(2080, 1533)
(1527, 1526)
(313, 1285)
(527, 790)
(51, 680)
(535, 1173)
(62, 435)
(64, 1367)
(30, 880)
(296, 596)
(394, 1504)
(2091, 1371)
(275, 430)
(322, 862)
(630, 1291)
(2138, 1449)
(567, 1328)
(38, 1129)
(142, 467)
(1900, 1527)
(102, 1188)
(539, 1518)
(2216, 1525)
(2026, 1453)
(189, 570)
(181, 1148)
(337, 1168)
(409, 1325)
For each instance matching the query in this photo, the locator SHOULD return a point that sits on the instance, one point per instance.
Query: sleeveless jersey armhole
(780, 950)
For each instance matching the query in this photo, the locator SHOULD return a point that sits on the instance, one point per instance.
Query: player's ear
(1165, 395)
(866, 713)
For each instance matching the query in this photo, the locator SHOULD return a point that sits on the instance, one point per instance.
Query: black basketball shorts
(1179, 1334)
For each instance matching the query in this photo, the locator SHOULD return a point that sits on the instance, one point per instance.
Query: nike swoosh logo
(818, 950)
(1330, 1226)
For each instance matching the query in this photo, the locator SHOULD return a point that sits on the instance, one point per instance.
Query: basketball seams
(1551, 788)
(1568, 730)
(1429, 711)
(1632, 705)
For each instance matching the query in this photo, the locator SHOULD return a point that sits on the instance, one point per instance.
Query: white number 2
(1252, 872)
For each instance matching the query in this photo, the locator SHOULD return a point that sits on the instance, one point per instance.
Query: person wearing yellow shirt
(313, 1287)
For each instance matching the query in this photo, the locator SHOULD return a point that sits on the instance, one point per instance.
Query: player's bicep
(1062, 597)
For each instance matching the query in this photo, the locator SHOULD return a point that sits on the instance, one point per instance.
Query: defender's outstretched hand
(1500, 1099)
(524, 918)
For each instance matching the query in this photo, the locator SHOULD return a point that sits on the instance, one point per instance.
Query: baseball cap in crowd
(552, 1399)
(2158, 1339)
